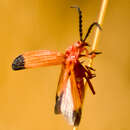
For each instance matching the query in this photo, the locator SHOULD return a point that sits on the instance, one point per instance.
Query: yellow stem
(75, 128)
(100, 21)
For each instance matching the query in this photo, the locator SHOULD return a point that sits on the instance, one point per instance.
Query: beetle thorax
(72, 53)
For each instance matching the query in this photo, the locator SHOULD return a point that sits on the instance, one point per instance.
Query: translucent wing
(70, 93)
(78, 91)
(61, 89)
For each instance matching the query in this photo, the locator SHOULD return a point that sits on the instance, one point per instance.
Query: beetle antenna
(80, 21)
(90, 28)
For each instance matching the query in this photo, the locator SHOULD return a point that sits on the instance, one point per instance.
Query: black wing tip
(77, 116)
(57, 105)
(18, 63)
(94, 93)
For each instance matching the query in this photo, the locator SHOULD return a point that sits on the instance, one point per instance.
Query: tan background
(27, 97)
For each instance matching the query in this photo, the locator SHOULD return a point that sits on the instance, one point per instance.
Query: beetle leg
(93, 54)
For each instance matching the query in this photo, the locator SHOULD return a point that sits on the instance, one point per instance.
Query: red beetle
(73, 77)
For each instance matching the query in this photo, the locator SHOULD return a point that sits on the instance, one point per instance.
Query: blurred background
(27, 97)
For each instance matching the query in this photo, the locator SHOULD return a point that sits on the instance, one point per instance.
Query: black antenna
(80, 21)
(90, 28)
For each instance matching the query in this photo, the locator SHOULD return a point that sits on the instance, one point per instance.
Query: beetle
(74, 75)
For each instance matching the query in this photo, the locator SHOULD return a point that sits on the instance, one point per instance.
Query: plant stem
(100, 21)
(75, 128)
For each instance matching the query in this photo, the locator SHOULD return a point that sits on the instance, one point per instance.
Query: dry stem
(100, 21)
(75, 128)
